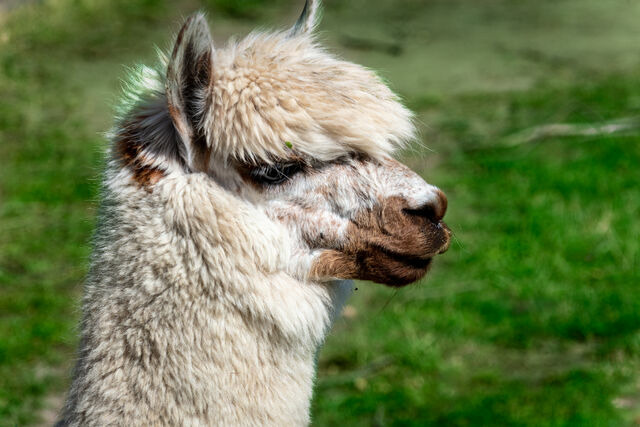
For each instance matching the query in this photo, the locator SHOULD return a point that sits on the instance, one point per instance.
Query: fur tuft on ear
(189, 76)
(308, 18)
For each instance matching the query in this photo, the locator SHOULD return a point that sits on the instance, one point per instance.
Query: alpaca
(245, 187)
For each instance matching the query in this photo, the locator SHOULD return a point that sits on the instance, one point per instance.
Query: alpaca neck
(179, 328)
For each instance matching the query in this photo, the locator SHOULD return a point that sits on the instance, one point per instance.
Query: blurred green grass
(531, 318)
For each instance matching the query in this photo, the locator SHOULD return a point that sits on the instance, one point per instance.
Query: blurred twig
(446, 291)
(554, 130)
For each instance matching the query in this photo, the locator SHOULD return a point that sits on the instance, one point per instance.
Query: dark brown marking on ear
(195, 77)
(175, 117)
(199, 80)
(189, 83)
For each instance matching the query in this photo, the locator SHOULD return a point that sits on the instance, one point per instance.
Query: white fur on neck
(185, 302)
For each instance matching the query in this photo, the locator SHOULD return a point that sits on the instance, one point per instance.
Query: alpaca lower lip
(421, 263)
(414, 270)
(413, 260)
(417, 263)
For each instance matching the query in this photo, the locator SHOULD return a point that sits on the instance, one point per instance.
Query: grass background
(531, 318)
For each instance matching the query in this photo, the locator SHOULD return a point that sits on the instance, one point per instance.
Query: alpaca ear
(189, 75)
(308, 18)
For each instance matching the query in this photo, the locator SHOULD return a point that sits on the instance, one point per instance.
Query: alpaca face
(356, 217)
(302, 136)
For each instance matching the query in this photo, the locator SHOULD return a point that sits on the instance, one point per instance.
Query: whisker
(395, 293)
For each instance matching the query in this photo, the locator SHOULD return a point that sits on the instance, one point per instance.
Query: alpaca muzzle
(392, 243)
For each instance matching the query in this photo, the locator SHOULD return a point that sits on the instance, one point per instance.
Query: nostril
(434, 210)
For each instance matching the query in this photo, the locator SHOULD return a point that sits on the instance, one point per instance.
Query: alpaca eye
(275, 174)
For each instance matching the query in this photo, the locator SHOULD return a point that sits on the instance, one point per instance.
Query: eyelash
(276, 173)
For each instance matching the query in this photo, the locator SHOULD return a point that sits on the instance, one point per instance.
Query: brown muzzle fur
(390, 244)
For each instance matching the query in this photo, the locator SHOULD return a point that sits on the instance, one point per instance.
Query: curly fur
(211, 291)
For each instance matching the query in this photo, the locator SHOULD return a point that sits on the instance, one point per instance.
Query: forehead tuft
(273, 94)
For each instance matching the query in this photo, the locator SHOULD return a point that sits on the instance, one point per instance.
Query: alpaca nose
(433, 210)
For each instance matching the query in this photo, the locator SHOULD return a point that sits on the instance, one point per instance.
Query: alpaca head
(283, 126)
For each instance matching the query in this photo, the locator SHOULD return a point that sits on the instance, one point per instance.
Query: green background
(531, 318)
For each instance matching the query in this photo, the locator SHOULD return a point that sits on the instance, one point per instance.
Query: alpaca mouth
(404, 269)
(392, 253)
(403, 259)
(434, 239)
(419, 263)
(391, 267)
(410, 260)
(414, 267)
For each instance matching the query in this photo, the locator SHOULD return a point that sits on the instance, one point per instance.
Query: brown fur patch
(335, 264)
(387, 244)
(128, 149)
(175, 117)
